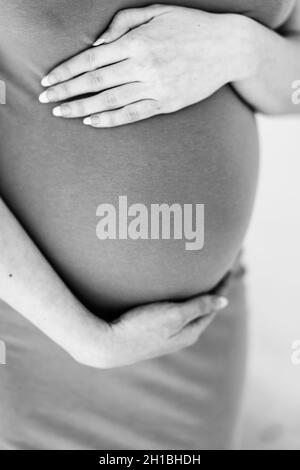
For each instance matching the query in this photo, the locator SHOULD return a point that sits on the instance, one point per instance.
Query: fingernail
(63, 110)
(48, 96)
(91, 120)
(43, 98)
(44, 81)
(100, 40)
(48, 80)
(220, 302)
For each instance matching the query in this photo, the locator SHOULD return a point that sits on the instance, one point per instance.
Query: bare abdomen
(55, 173)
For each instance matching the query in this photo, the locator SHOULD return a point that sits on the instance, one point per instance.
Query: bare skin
(267, 65)
(30, 285)
(162, 58)
(154, 68)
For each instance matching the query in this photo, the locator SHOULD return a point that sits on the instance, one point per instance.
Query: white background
(272, 403)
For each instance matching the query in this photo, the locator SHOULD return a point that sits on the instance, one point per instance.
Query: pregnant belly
(55, 174)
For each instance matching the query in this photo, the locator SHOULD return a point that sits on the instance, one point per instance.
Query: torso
(54, 173)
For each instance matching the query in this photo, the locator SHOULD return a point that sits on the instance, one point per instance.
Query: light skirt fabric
(188, 400)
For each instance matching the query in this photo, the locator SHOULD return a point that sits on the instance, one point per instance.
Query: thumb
(127, 19)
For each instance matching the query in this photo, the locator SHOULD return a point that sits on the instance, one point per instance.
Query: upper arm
(292, 24)
(272, 13)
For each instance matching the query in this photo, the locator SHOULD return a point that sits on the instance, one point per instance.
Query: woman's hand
(31, 286)
(151, 60)
(147, 332)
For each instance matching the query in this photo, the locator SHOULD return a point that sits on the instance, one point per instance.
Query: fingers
(91, 82)
(157, 329)
(134, 112)
(191, 333)
(107, 100)
(198, 315)
(200, 307)
(86, 61)
(106, 54)
(127, 19)
(183, 323)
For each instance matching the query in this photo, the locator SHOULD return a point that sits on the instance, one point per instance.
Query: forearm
(275, 65)
(30, 285)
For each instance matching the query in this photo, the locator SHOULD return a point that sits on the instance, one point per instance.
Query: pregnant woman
(157, 111)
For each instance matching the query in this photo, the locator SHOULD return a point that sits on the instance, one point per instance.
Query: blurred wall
(271, 418)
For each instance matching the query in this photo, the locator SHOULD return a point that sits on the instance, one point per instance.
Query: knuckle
(95, 79)
(119, 18)
(139, 68)
(132, 114)
(144, 45)
(153, 64)
(119, 15)
(153, 58)
(110, 100)
(90, 58)
(134, 43)
(160, 7)
(123, 14)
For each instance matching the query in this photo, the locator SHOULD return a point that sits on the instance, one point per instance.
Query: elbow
(274, 109)
(278, 107)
